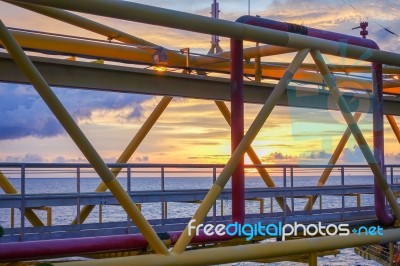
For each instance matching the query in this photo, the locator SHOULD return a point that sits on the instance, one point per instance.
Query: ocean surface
(64, 215)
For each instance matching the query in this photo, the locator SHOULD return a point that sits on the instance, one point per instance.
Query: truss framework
(305, 45)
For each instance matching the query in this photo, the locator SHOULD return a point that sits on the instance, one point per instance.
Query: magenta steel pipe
(378, 136)
(32, 250)
(377, 97)
(237, 129)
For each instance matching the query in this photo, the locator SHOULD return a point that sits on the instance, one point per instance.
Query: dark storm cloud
(23, 113)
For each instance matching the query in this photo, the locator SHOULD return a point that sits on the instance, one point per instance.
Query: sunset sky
(189, 131)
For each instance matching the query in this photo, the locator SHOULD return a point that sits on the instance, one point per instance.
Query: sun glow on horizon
(190, 130)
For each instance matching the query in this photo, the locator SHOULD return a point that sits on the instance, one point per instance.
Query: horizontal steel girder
(130, 11)
(69, 74)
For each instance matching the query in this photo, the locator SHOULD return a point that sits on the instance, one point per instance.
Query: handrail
(171, 165)
(288, 188)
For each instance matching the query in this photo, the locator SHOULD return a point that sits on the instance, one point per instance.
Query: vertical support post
(215, 203)
(391, 253)
(49, 216)
(257, 67)
(285, 196)
(128, 179)
(128, 189)
(78, 190)
(391, 175)
(12, 217)
(187, 52)
(292, 186)
(320, 202)
(23, 203)
(237, 129)
(162, 178)
(163, 203)
(313, 259)
(166, 209)
(378, 136)
(188, 60)
(271, 204)
(342, 185)
(100, 213)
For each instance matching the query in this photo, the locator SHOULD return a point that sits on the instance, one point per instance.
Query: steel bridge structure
(172, 241)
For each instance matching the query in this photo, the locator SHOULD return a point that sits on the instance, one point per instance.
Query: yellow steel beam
(395, 90)
(394, 126)
(8, 188)
(243, 146)
(131, 54)
(180, 20)
(84, 23)
(79, 138)
(222, 255)
(343, 68)
(355, 130)
(248, 53)
(114, 34)
(70, 46)
(109, 32)
(142, 81)
(253, 157)
(276, 72)
(332, 161)
(127, 153)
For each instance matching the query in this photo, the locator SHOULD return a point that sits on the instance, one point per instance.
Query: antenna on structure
(215, 48)
(363, 26)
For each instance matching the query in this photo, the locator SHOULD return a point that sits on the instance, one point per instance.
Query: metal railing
(296, 184)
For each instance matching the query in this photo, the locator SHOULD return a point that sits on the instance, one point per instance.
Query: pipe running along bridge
(172, 241)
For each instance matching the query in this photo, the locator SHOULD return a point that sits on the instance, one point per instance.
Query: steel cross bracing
(237, 31)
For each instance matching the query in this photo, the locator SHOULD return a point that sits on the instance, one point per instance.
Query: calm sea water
(64, 215)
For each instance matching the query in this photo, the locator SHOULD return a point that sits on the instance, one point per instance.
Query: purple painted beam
(377, 108)
(237, 129)
(31, 250)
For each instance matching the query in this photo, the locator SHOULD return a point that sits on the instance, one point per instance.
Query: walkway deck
(354, 214)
